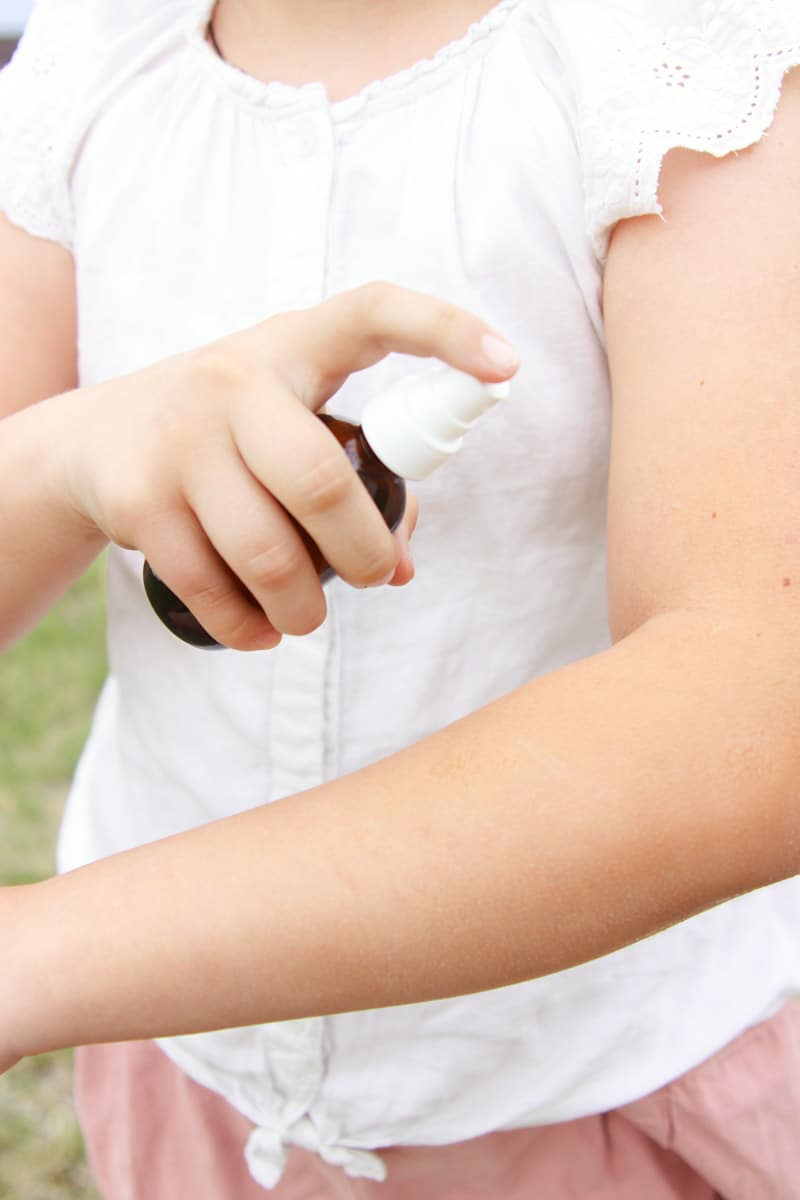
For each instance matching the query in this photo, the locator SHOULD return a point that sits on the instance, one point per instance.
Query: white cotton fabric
(197, 200)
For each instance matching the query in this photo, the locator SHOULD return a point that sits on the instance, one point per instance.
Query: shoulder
(70, 59)
(78, 27)
(652, 75)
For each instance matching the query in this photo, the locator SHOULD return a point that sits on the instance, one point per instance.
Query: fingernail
(270, 639)
(498, 353)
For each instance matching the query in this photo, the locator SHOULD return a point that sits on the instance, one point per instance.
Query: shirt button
(297, 139)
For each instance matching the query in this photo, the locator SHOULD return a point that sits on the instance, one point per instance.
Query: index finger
(321, 346)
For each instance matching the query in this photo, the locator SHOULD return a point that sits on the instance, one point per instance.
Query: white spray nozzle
(420, 421)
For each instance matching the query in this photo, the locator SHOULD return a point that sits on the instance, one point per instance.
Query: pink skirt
(729, 1130)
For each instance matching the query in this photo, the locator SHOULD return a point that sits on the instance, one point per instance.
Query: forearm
(45, 543)
(579, 814)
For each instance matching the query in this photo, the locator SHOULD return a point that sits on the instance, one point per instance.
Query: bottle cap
(420, 421)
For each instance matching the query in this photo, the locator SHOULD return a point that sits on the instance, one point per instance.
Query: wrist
(49, 440)
(67, 423)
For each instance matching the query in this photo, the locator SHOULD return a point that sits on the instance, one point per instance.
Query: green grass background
(48, 684)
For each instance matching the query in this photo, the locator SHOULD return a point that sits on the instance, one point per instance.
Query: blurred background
(48, 683)
(13, 15)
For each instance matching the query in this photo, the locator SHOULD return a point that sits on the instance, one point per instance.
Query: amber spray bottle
(406, 432)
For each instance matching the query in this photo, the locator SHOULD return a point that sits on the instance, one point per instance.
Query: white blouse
(196, 201)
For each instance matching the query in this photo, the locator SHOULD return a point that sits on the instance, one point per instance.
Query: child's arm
(42, 548)
(587, 809)
(159, 459)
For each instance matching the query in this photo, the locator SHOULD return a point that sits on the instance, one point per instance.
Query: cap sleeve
(652, 75)
(41, 91)
(70, 59)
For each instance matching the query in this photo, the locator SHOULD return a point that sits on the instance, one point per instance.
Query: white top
(197, 201)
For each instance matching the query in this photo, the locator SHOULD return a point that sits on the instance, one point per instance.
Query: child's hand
(200, 460)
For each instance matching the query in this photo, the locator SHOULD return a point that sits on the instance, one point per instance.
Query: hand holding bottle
(405, 433)
(214, 466)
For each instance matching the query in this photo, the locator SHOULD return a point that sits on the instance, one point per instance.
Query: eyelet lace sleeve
(40, 101)
(72, 56)
(651, 75)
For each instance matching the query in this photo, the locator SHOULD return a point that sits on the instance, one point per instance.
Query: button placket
(298, 735)
(298, 139)
(300, 201)
(294, 275)
(300, 191)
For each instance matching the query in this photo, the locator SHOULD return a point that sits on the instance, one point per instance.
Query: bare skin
(636, 788)
(345, 44)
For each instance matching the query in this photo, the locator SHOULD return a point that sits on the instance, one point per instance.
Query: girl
(549, 799)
